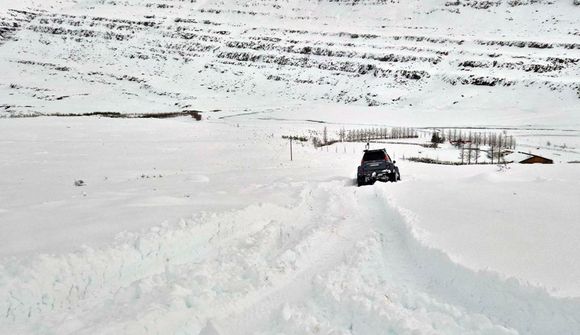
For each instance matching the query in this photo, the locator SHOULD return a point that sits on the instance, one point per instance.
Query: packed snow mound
(159, 56)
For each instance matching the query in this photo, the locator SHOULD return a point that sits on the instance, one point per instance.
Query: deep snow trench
(341, 260)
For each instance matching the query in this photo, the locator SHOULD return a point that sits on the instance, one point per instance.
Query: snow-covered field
(207, 227)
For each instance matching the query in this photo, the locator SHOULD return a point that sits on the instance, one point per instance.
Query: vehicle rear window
(374, 156)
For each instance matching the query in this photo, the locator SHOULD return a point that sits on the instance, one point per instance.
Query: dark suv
(377, 165)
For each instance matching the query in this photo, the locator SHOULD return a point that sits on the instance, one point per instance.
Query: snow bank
(518, 221)
(340, 260)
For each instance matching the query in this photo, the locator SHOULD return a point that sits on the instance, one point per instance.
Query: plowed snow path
(339, 261)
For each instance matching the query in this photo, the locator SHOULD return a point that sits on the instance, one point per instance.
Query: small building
(535, 159)
(526, 158)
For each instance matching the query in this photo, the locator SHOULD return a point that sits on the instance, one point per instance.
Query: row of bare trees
(363, 135)
(470, 144)
(469, 154)
(370, 134)
(496, 140)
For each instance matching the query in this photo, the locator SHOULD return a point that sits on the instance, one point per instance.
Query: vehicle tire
(393, 177)
(359, 182)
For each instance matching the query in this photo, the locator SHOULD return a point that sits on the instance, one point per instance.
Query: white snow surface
(208, 228)
(185, 227)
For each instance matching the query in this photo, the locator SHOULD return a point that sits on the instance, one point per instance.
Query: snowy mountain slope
(152, 56)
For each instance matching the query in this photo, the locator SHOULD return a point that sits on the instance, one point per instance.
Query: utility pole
(290, 148)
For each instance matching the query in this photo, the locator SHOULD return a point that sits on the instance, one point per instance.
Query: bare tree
(476, 154)
(469, 152)
(342, 134)
(462, 154)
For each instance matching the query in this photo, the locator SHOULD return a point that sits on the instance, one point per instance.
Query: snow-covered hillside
(516, 57)
(131, 225)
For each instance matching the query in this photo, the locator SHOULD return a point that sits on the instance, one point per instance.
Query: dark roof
(537, 159)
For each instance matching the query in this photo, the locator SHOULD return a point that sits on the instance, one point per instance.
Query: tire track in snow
(456, 300)
(342, 260)
(349, 294)
(334, 236)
